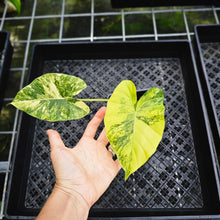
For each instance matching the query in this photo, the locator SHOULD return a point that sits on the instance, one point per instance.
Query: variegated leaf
(50, 97)
(134, 129)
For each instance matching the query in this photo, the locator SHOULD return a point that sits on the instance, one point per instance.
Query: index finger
(94, 123)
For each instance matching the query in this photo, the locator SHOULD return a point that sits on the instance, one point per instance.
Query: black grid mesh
(169, 179)
(211, 56)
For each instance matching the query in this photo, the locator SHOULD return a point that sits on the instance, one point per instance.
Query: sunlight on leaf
(50, 97)
(134, 129)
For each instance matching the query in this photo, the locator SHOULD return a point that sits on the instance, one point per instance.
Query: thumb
(55, 139)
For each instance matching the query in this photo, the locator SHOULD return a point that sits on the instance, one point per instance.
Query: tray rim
(130, 42)
(8, 51)
(156, 3)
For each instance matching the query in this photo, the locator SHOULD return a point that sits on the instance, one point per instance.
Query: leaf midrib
(147, 101)
(132, 141)
(31, 100)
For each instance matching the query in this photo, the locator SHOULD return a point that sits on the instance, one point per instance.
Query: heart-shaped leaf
(134, 129)
(50, 97)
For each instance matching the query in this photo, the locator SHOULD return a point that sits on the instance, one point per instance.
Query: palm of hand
(88, 168)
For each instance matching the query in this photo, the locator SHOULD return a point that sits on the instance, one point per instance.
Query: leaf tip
(127, 174)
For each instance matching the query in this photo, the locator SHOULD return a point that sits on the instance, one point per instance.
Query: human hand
(88, 169)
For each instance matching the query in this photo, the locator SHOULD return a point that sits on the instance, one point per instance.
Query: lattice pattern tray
(162, 175)
(171, 178)
(209, 53)
(211, 56)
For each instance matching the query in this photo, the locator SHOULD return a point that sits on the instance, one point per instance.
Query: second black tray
(180, 180)
(208, 47)
(154, 3)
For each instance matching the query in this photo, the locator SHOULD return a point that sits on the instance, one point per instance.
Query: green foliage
(16, 4)
(134, 129)
(202, 17)
(138, 24)
(170, 22)
(111, 25)
(50, 97)
(108, 25)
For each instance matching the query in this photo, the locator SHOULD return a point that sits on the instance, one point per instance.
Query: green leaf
(134, 129)
(16, 4)
(50, 97)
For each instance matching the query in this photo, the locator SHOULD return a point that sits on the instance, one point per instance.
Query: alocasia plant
(134, 128)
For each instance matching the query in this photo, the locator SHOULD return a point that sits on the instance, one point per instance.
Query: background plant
(16, 4)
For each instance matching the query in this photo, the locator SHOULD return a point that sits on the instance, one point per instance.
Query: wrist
(62, 205)
(75, 198)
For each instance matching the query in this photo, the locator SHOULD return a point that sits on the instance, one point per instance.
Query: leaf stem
(93, 100)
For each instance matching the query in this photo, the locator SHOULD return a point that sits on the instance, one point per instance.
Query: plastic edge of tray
(8, 51)
(157, 3)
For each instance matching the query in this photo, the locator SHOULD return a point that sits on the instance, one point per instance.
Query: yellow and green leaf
(50, 97)
(134, 128)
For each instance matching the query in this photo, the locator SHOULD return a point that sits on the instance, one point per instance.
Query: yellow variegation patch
(50, 97)
(134, 129)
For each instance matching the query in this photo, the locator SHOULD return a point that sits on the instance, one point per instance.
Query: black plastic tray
(208, 48)
(6, 51)
(179, 181)
(154, 3)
